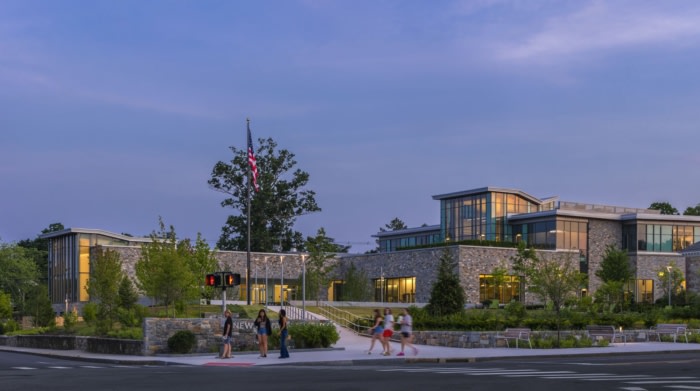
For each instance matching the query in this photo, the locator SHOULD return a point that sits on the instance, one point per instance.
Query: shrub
(70, 318)
(307, 335)
(584, 342)
(8, 327)
(182, 342)
(130, 333)
(131, 317)
(90, 313)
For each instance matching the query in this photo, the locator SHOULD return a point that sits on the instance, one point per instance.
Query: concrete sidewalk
(351, 349)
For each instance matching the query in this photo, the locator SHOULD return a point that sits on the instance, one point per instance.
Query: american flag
(251, 161)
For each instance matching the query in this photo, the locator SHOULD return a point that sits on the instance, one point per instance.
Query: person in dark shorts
(226, 335)
(406, 322)
(264, 329)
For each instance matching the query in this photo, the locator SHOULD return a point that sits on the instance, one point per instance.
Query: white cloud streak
(605, 26)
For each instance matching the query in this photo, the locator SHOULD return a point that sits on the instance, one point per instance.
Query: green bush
(182, 342)
(584, 342)
(307, 335)
(132, 317)
(130, 333)
(8, 327)
(90, 313)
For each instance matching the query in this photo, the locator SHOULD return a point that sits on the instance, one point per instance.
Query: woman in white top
(407, 332)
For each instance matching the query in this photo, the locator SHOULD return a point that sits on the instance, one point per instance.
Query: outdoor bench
(672, 329)
(605, 331)
(515, 334)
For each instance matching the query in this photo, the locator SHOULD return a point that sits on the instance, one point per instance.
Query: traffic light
(213, 280)
(232, 279)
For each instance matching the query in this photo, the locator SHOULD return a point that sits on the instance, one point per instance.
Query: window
(506, 290)
(395, 290)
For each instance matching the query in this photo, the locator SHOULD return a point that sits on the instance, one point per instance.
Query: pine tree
(447, 296)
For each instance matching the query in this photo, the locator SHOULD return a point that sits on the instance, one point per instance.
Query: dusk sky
(113, 113)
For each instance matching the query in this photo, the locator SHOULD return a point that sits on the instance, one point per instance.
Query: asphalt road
(632, 373)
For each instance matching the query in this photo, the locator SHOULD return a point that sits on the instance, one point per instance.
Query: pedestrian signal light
(232, 279)
(213, 280)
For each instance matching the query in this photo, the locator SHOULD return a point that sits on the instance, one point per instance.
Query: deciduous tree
(18, 272)
(356, 285)
(103, 286)
(164, 272)
(554, 280)
(664, 207)
(282, 198)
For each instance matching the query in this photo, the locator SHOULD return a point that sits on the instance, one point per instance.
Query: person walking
(284, 333)
(377, 330)
(226, 335)
(406, 323)
(388, 331)
(264, 329)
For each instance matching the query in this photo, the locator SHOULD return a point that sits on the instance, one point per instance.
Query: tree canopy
(615, 266)
(39, 250)
(615, 271)
(692, 210)
(106, 276)
(664, 207)
(319, 266)
(166, 270)
(394, 225)
(282, 198)
(19, 273)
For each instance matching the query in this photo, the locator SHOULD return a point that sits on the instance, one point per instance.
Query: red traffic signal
(213, 280)
(232, 279)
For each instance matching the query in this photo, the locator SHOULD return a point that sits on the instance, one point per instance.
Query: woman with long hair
(377, 330)
(264, 329)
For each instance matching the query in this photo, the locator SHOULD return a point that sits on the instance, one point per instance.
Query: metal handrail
(342, 318)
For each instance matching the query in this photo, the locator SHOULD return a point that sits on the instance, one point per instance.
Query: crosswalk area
(61, 367)
(634, 382)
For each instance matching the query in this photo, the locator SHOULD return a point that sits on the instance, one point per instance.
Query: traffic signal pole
(223, 300)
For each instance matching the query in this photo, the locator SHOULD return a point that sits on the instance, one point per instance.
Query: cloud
(605, 26)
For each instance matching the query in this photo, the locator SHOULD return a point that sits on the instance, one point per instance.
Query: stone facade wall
(692, 274)
(648, 266)
(601, 234)
(422, 264)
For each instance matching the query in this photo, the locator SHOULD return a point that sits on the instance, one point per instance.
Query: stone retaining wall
(69, 342)
(156, 332)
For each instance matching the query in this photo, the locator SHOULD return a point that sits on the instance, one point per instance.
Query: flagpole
(247, 269)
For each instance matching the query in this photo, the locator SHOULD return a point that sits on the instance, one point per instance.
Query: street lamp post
(303, 288)
(282, 282)
(669, 268)
(265, 281)
(381, 284)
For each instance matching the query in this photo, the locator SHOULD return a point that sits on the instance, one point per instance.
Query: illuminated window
(504, 288)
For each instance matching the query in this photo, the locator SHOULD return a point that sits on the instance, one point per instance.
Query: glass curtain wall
(659, 238)
(554, 234)
(481, 216)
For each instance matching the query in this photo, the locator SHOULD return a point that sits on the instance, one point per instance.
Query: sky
(113, 113)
